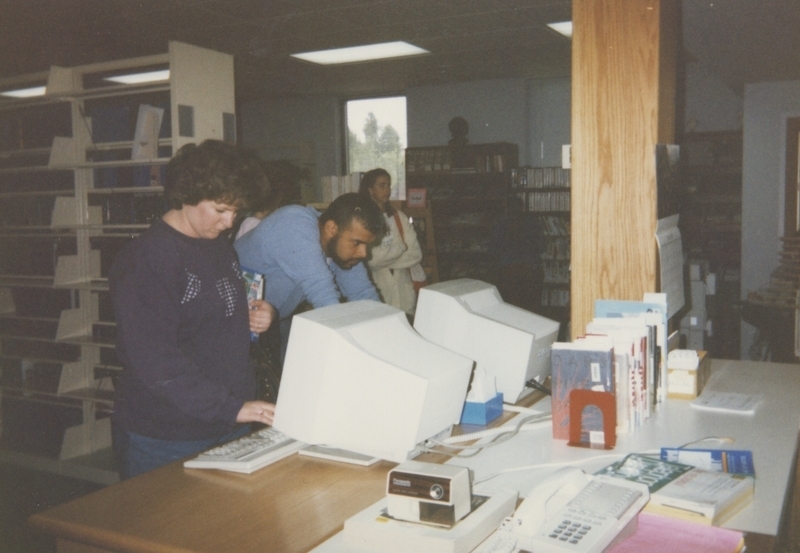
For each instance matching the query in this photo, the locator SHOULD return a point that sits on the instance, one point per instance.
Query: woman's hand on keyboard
(256, 411)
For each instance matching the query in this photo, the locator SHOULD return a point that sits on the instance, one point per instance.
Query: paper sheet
(670, 256)
(728, 402)
(660, 534)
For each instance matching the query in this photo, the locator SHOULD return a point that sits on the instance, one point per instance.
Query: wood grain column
(623, 103)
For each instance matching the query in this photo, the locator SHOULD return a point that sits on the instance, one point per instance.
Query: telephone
(571, 511)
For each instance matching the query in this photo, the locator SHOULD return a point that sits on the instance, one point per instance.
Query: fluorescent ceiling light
(368, 52)
(139, 78)
(563, 27)
(25, 92)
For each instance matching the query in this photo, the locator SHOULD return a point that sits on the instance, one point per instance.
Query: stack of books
(684, 491)
(621, 353)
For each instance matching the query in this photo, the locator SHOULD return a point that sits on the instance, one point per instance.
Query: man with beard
(308, 256)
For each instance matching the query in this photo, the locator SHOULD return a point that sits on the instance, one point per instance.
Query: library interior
(602, 350)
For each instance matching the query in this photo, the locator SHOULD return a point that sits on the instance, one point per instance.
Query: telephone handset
(571, 511)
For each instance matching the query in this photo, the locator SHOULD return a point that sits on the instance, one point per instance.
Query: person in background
(399, 250)
(306, 255)
(183, 320)
(283, 189)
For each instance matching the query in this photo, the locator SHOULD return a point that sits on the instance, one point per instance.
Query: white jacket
(389, 263)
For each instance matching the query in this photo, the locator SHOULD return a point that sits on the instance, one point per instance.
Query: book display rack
(81, 173)
(466, 189)
(711, 226)
(544, 193)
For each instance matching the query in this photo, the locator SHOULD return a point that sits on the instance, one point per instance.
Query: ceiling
(738, 40)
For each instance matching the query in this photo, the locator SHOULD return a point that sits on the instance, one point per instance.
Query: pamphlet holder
(606, 402)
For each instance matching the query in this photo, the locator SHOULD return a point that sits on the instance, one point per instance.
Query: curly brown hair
(214, 170)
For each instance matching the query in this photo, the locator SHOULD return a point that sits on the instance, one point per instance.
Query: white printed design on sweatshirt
(192, 287)
(227, 290)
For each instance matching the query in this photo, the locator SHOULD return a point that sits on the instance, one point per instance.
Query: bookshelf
(72, 196)
(544, 194)
(466, 190)
(711, 226)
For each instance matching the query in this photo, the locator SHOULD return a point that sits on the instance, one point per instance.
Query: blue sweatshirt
(182, 336)
(285, 247)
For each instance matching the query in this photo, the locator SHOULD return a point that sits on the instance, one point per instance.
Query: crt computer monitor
(469, 317)
(358, 377)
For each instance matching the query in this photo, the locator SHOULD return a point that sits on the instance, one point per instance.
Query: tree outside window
(376, 137)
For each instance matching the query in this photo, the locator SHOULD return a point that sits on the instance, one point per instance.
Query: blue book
(254, 283)
(737, 461)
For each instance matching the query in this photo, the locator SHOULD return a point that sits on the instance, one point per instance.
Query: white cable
(561, 464)
(546, 465)
(516, 409)
(530, 425)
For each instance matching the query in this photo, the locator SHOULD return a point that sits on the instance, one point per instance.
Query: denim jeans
(137, 454)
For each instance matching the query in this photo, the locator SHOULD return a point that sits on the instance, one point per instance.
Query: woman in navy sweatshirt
(183, 320)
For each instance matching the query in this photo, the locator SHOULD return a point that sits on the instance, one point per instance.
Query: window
(376, 137)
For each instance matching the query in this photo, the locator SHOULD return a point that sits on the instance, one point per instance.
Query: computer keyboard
(248, 453)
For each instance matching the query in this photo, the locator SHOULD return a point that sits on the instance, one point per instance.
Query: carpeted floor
(24, 492)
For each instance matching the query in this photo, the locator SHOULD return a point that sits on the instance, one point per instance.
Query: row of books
(133, 209)
(428, 160)
(554, 225)
(557, 248)
(555, 297)
(491, 163)
(545, 201)
(30, 129)
(556, 272)
(27, 211)
(462, 160)
(621, 356)
(785, 279)
(334, 186)
(540, 177)
(466, 192)
(37, 181)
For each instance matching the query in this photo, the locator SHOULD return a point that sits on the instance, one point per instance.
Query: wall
(304, 130)
(533, 114)
(710, 104)
(766, 108)
(549, 116)
(493, 110)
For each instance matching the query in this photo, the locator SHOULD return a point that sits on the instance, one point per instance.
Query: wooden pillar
(623, 103)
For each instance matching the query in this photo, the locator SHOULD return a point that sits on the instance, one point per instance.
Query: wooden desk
(298, 503)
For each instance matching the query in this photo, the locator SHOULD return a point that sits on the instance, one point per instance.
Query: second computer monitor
(469, 317)
(358, 377)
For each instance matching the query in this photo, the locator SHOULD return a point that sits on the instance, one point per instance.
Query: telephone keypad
(574, 529)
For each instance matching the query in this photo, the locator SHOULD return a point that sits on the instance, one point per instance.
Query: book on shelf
(148, 127)
(540, 177)
(586, 364)
(686, 492)
(629, 337)
(654, 311)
